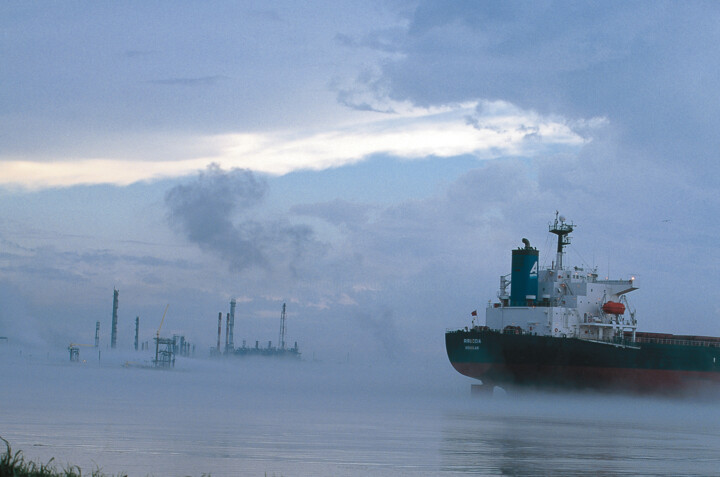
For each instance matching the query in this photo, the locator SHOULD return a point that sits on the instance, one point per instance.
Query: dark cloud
(215, 212)
(203, 210)
(651, 68)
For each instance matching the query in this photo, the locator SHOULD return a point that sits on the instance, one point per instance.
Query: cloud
(337, 212)
(225, 68)
(71, 172)
(410, 133)
(394, 276)
(638, 81)
(606, 112)
(649, 68)
(350, 99)
(481, 129)
(204, 211)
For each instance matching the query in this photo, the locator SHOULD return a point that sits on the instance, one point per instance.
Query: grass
(15, 465)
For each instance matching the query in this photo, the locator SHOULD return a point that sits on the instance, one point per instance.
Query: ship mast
(562, 230)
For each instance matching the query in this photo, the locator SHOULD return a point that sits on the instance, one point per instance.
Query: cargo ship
(563, 327)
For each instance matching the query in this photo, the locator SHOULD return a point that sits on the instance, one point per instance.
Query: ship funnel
(524, 278)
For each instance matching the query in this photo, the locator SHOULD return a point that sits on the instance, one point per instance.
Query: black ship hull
(648, 364)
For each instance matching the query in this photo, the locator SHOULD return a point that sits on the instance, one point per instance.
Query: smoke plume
(204, 211)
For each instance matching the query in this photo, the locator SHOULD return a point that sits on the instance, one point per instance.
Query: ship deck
(667, 338)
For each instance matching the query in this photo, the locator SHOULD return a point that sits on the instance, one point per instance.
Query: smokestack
(231, 341)
(219, 330)
(137, 331)
(97, 334)
(281, 339)
(227, 332)
(113, 336)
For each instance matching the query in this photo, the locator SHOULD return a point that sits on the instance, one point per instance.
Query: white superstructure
(569, 302)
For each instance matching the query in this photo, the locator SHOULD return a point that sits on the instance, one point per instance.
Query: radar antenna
(562, 229)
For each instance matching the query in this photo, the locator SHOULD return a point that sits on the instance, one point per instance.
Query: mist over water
(255, 416)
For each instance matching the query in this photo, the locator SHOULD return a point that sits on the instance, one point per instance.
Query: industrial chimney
(113, 336)
(231, 325)
(227, 333)
(219, 331)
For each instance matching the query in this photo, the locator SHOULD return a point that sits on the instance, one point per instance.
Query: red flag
(474, 313)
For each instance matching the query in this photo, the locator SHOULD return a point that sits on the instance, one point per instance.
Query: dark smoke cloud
(204, 209)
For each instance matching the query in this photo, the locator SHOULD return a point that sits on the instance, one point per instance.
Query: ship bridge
(558, 301)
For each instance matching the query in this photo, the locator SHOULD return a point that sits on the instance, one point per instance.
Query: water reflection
(553, 435)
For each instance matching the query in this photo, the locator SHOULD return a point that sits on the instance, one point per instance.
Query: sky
(371, 164)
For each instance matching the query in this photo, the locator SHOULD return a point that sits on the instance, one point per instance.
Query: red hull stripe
(634, 379)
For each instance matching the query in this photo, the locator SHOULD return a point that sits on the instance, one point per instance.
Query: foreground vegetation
(14, 465)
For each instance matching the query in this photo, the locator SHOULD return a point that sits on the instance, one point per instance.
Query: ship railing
(669, 341)
(677, 342)
(614, 282)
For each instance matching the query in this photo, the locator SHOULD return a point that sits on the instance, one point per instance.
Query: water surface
(257, 418)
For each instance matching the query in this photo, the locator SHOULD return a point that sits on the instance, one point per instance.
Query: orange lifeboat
(613, 308)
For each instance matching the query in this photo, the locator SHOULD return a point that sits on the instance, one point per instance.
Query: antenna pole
(562, 229)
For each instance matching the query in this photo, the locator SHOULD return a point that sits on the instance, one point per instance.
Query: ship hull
(509, 359)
